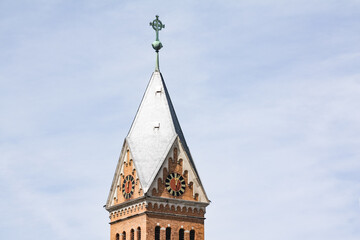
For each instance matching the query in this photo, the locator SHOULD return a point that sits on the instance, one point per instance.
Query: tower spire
(157, 26)
(156, 184)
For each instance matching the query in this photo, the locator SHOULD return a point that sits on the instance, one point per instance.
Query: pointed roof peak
(157, 103)
(153, 131)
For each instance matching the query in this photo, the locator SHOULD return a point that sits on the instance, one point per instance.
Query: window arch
(181, 234)
(117, 236)
(157, 233)
(192, 234)
(132, 234)
(124, 235)
(168, 233)
(138, 233)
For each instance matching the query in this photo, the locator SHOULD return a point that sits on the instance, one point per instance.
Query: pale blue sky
(267, 92)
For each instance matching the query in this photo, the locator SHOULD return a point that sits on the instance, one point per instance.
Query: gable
(125, 170)
(178, 161)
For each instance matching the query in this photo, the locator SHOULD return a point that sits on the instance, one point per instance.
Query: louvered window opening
(124, 235)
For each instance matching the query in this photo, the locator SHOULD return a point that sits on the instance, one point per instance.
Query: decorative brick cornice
(126, 204)
(176, 201)
(174, 215)
(150, 199)
(150, 204)
(123, 219)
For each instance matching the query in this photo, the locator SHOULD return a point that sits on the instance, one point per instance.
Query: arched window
(117, 236)
(138, 233)
(157, 233)
(192, 234)
(124, 235)
(132, 234)
(181, 234)
(168, 233)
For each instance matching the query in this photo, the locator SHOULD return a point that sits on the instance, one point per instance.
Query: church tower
(156, 192)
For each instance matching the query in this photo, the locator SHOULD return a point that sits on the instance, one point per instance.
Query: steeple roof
(153, 131)
(155, 145)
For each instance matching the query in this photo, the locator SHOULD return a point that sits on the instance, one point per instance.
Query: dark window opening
(168, 233)
(192, 235)
(157, 233)
(138, 233)
(181, 234)
(132, 234)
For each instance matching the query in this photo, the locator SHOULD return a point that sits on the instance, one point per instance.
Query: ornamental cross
(157, 26)
(157, 45)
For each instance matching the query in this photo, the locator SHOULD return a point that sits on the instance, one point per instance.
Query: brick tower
(156, 192)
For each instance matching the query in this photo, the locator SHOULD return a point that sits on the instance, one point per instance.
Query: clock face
(128, 186)
(175, 184)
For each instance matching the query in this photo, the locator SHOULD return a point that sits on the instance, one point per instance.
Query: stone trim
(176, 201)
(173, 215)
(123, 219)
(158, 200)
(125, 204)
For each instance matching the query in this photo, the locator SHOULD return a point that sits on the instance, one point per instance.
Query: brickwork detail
(174, 165)
(178, 210)
(175, 223)
(126, 212)
(139, 215)
(128, 168)
(126, 226)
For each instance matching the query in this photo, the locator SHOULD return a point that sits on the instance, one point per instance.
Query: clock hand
(177, 184)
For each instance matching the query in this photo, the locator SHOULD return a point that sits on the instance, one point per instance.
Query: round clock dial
(175, 184)
(128, 186)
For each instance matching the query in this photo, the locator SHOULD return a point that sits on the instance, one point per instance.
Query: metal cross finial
(157, 26)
